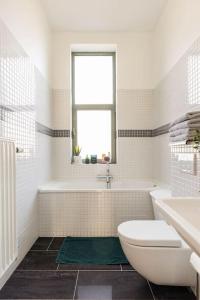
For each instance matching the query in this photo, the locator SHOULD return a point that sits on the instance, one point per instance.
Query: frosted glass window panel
(94, 132)
(93, 82)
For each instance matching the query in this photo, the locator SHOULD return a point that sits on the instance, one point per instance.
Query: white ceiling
(103, 15)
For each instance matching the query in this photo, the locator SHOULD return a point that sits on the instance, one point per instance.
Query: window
(94, 103)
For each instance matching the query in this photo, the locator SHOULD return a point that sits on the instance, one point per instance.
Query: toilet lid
(149, 234)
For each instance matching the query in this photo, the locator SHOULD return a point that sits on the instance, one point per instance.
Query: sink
(184, 214)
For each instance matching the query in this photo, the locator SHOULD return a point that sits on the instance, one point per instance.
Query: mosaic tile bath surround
(135, 137)
(175, 95)
(4, 110)
(130, 124)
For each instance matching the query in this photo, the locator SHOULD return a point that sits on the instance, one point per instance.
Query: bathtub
(88, 208)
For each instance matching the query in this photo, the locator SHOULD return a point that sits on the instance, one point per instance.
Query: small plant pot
(77, 160)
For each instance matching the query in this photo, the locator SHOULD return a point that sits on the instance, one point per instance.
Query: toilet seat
(149, 234)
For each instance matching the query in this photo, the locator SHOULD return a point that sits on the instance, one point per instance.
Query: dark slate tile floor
(39, 277)
(105, 285)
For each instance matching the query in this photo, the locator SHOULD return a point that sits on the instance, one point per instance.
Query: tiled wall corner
(175, 95)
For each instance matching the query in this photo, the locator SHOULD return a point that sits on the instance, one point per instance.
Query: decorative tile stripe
(3, 110)
(44, 129)
(14, 108)
(144, 132)
(161, 130)
(52, 132)
(61, 133)
(134, 133)
(6, 108)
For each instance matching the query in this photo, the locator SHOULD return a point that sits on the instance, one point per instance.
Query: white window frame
(107, 107)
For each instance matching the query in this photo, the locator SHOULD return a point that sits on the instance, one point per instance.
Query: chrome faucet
(108, 177)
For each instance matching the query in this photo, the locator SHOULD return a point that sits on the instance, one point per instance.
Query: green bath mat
(91, 250)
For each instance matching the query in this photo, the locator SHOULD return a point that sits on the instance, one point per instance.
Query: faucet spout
(107, 177)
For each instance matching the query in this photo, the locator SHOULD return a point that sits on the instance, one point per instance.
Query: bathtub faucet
(108, 177)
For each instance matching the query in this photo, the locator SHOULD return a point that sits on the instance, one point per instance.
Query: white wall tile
(161, 159)
(61, 109)
(24, 98)
(134, 109)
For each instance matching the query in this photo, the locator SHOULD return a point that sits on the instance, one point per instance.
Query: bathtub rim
(47, 188)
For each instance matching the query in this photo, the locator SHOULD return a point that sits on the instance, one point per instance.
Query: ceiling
(103, 15)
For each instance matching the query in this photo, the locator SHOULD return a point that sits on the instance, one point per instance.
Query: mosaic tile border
(121, 132)
(135, 133)
(52, 132)
(144, 132)
(61, 133)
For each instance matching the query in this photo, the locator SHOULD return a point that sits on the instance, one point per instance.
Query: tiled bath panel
(23, 93)
(91, 213)
(40, 277)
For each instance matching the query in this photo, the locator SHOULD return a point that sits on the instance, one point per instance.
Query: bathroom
(92, 95)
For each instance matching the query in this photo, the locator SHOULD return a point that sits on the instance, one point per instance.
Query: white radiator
(8, 242)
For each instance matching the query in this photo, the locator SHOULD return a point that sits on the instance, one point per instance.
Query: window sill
(90, 164)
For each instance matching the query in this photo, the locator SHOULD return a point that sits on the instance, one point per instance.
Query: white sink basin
(184, 215)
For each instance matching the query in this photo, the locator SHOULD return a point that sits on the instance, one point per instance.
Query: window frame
(110, 107)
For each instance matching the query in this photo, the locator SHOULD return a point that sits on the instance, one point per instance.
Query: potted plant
(76, 155)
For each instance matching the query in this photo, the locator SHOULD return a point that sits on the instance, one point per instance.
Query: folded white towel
(193, 124)
(186, 131)
(187, 116)
(181, 138)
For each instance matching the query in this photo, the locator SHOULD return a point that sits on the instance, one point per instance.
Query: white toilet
(156, 250)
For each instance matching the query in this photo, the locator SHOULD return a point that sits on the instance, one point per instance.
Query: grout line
(39, 270)
(50, 243)
(106, 270)
(151, 290)
(71, 270)
(76, 285)
(43, 250)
